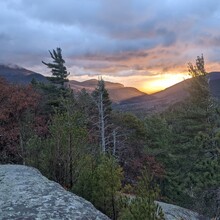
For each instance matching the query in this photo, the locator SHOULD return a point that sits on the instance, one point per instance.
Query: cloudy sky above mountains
(140, 43)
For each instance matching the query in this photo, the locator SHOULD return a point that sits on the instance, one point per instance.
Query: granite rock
(173, 212)
(26, 194)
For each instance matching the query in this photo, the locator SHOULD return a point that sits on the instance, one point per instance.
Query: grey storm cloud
(106, 29)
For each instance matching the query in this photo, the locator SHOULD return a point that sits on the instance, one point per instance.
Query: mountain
(157, 101)
(214, 83)
(117, 91)
(174, 93)
(16, 74)
(178, 92)
(124, 98)
(161, 100)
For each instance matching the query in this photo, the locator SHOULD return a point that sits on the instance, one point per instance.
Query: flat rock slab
(25, 194)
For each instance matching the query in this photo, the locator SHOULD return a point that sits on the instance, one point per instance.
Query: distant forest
(109, 156)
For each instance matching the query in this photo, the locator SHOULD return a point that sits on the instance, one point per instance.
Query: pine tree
(58, 69)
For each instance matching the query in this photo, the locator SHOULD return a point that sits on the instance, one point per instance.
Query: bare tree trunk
(22, 148)
(70, 162)
(114, 142)
(102, 121)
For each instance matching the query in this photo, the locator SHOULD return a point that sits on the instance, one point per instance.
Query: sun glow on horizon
(162, 81)
(147, 84)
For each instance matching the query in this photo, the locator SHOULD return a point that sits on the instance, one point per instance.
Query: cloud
(117, 38)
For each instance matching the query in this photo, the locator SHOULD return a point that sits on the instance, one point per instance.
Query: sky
(140, 43)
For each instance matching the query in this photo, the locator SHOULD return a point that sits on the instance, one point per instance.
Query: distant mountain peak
(17, 74)
(11, 66)
(117, 91)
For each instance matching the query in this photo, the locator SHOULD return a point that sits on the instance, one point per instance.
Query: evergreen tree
(142, 206)
(99, 181)
(199, 88)
(58, 69)
(64, 146)
(84, 185)
(193, 164)
(107, 182)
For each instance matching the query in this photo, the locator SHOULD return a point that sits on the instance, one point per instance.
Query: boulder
(173, 212)
(26, 194)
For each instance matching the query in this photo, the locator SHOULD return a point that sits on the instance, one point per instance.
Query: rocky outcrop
(26, 194)
(173, 212)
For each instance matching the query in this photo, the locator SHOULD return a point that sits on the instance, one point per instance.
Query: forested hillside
(105, 156)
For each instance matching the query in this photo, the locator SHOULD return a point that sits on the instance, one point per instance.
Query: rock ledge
(26, 194)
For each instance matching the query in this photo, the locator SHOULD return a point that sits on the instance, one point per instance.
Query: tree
(192, 161)
(58, 68)
(130, 143)
(63, 146)
(103, 103)
(67, 143)
(199, 89)
(142, 206)
(18, 108)
(99, 181)
(107, 179)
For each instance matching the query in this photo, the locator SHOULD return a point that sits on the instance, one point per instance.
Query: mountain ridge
(16, 74)
(125, 98)
(117, 91)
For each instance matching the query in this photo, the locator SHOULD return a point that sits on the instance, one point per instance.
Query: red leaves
(15, 101)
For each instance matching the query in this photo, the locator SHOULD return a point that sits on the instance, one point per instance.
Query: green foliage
(52, 97)
(158, 137)
(132, 130)
(85, 177)
(142, 206)
(193, 163)
(58, 68)
(65, 145)
(108, 177)
(199, 88)
(39, 155)
(185, 140)
(101, 93)
(99, 182)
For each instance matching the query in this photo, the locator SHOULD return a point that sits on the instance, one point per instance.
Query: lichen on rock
(26, 194)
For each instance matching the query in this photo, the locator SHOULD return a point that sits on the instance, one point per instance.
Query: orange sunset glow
(145, 45)
(110, 109)
(162, 82)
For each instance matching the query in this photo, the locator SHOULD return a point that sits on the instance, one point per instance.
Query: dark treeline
(113, 159)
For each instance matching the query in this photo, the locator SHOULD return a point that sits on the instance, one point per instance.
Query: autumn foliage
(15, 101)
